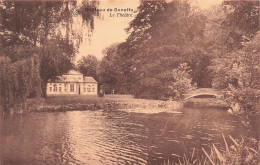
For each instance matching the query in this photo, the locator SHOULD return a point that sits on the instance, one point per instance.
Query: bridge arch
(203, 91)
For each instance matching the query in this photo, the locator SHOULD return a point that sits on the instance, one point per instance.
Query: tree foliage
(19, 81)
(88, 66)
(163, 35)
(109, 73)
(36, 28)
(238, 75)
(182, 82)
(26, 22)
(56, 58)
(235, 53)
(241, 23)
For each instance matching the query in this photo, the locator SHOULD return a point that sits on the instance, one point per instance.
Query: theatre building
(72, 83)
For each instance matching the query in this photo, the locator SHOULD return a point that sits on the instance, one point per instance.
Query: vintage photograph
(122, 82)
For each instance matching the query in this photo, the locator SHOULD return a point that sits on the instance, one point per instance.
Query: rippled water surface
(111, 137)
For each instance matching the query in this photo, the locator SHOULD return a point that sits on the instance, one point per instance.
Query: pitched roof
(61, 79)
(89, 80)
(73, 72)
(68, 79)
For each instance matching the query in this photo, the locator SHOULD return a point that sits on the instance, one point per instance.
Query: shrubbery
(237, 75)
(182, 81)
(18, 81)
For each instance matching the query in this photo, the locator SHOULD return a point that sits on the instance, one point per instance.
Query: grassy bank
(75, 102)
(76, 99)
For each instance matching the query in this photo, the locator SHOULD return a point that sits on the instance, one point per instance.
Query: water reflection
(111, 137)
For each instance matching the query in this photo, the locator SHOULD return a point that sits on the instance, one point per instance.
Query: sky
(111, 30)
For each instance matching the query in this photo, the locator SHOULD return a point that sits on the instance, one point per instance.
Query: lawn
(76, 99)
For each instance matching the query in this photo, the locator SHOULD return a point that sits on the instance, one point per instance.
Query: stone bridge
(203, 91)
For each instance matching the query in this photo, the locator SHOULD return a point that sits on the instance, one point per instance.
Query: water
(112, 137)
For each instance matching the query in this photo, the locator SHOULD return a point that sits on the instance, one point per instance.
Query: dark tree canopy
(241, 23)
(162, 36)
(88, 66)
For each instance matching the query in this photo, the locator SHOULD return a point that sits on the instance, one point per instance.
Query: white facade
(72, 83)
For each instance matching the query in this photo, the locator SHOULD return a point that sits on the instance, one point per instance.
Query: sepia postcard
(104, 82)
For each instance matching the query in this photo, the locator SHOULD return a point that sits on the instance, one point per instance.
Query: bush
(101, 94)
(243, 100)
(182, 81)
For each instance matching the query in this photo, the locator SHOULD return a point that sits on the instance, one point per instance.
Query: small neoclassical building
(72, 83)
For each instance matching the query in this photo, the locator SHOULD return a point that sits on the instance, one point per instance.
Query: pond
(113, 137)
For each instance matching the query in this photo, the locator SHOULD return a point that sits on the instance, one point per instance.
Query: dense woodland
(172, 47)
(175, 47)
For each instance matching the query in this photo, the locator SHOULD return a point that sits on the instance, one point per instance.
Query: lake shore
(108, 102)
(80, 103)
(118, 102)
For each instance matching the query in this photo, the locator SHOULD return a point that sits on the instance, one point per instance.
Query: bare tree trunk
(1, 110)
(44, 88)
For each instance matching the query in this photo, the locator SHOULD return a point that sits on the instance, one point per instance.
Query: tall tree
(108, 71)
(56, 59)
(230, 25)
(88, 66)
(18, 81)
(163, 35)
(26, 22)
(241, 23)
(235, 54)
(235, 25)
(39, 25)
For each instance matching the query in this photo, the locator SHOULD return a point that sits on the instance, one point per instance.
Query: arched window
(93, 88)
(71, 87)
(55, 89)
(89, 88)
